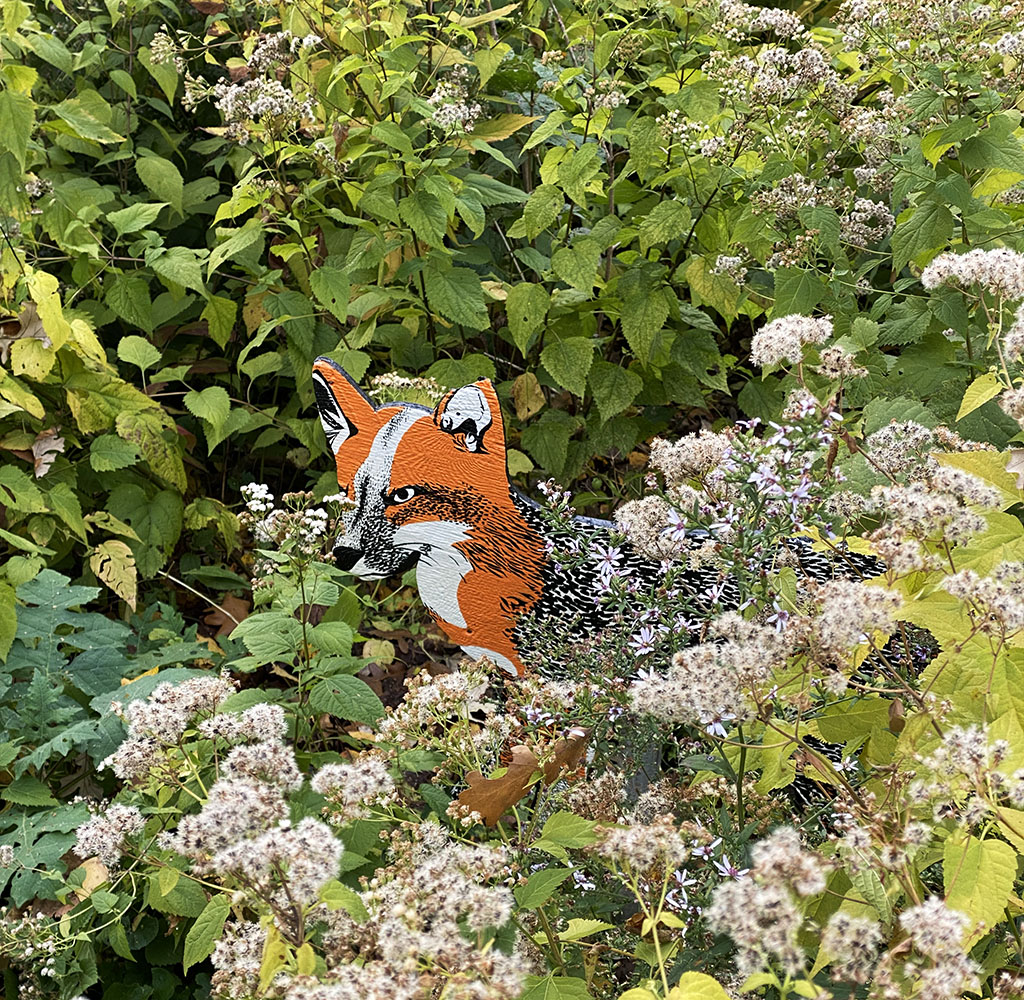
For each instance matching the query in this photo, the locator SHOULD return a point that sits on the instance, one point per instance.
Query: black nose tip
(346, 558)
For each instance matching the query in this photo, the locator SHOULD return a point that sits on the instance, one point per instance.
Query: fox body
(430, 488)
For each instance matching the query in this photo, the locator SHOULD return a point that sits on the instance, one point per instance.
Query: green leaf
(270, 635)
(19, 492)
(177, 265)
(346, 697)
(526, 308)
(84, 123)
(135, 217)
(186, 899)
(204, 934)
(568, 361)
(717, 290)
(668, 220)
(995, 147)
(124, 81)
(577, 265)
(212, 404)
(580, 928)
(566, 830)
(978, 393)
(28, 791)
(577, 169)
(63, 502)
(392, 135)
(552, 987)
(423, 213)
(551, 125)
(331, 287)
(333, 638)
(645, 308)
(456, 293)
(17, 119)
(138, 351)
(234, 245)
(128, 296)
(845, 722)
(921, 232)
(540, 886)
(938, 140)
(614, 388)
(543, 208)
(108, 453)
(698, 986)
(978, 876)
(8, 627)
(162, 178)
(796, 291)
(219, 313)
(147, 429)
(337, 896)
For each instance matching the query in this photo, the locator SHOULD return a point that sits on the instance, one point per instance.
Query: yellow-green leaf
(979, 392)
(978, 876)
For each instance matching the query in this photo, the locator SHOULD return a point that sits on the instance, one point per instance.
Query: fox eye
(402, 495)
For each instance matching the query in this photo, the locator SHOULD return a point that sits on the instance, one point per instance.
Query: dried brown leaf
(46, 447)
(230, 612)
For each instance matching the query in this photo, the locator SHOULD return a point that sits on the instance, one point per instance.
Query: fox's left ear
(472, 415)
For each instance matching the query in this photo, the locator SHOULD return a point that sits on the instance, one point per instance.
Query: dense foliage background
(595, 204)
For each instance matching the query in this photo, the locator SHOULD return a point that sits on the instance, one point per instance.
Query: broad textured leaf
(423, 213)
(138, 351)
(995, 147)
(113, 563)
(219, 313)
(336, 896)
(544, 207)
(978, 393)
(577, 170)
(212, 404)
(330, 286)
(146, 429)
(978, 876)
(204, 934)
(162, 178)
(540, 886)
(923, 230)
(178, 265)
(614, 387)
(552, 987)
(135, 217)
(526, 307)
(270, 636)
(85, 124)
(697, 986)
(346, 697)
(28, 791)
(668, 220)
(644, 312)
(796, 291)
(456, 293)
(128, 297)
(236, 244)
(568, 361)
(577, 265)
(334, 638)
(17, 118)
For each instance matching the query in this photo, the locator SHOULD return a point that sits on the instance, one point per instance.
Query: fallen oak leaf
(491, 798)
(225, 616)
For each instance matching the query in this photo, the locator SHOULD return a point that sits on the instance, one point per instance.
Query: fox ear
(343, 406)
(472, 415)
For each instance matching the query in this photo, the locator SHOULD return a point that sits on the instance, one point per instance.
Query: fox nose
(345, 558)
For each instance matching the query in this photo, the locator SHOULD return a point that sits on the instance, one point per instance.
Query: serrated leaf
(978, 393)
(337, 896)
(17, 118)
(178, 265)
(614, 388)
(146, 429)
(456, 293)
(543, 208)
(540, 886)
(552, 987)
(577, 265)
(994, 147)
(526, 308)
(568, 361)
(204, 934)
(668, 220)
(332, 638)
(135, 217)
(978, 876)
(270, 635)
(219, 313)
(346, 697)
(84, 123)
(235, 244)
(330, 287)
(699, 986)
(28, 791)
(113, 563)
(644, 312)
(212, 404)
(128, 296)
(138, 351)
(423, 213)
(162, 178)
(925, 230)
(577, 169)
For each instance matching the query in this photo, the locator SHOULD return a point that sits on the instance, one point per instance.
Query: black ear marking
(466, 412)
(337, 427)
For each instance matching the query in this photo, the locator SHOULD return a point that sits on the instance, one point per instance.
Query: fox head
(420, 480)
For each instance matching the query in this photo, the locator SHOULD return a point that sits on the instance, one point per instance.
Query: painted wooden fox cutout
(431, 489)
